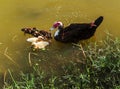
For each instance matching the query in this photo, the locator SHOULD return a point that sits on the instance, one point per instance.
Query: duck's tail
(98, 21)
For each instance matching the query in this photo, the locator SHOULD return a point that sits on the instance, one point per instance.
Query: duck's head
(56, 24)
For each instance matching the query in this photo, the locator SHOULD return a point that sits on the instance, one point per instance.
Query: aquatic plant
(100, 70)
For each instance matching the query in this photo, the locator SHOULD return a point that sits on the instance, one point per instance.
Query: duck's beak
(52, 28)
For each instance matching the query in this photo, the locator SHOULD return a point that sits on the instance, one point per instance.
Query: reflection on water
(14, 15)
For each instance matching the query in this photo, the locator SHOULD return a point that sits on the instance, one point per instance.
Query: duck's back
(76, 32)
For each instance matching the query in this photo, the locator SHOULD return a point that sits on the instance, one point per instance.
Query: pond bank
(99, 65)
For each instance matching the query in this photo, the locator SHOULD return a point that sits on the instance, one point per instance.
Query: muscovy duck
(76, 31)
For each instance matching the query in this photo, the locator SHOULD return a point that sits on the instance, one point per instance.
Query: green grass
(100, 69)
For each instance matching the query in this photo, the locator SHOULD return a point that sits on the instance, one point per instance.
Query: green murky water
(14, 15)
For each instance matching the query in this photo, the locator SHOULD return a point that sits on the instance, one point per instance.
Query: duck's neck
(60, 28)
(56, 33)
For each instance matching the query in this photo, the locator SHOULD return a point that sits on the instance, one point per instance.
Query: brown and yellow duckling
(35, 32)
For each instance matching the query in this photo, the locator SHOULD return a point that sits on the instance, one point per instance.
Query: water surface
(14, 15)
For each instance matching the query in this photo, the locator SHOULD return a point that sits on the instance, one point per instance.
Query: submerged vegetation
(99, 68)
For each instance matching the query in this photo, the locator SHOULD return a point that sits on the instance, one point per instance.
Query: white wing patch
(56, 33)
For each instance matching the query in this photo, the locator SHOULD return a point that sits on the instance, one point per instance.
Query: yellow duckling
(38, 42)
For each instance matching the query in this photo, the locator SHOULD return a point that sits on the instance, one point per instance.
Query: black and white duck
(75, 31)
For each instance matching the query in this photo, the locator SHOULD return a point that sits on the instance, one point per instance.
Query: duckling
(38, 42)
(29, 30)
(32, 39)
(35, 32)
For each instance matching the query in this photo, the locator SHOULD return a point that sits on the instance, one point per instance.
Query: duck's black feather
(78, 31)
